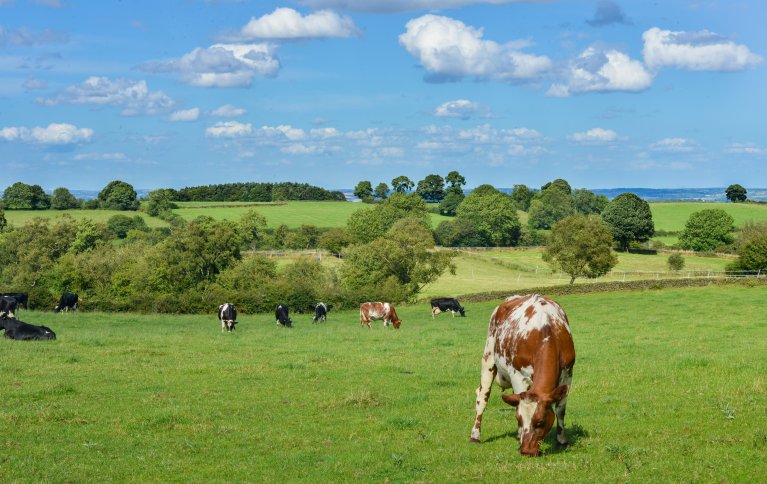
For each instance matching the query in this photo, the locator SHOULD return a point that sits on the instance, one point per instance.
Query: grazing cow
(443, 304)
(19, 330)
(321, 311)
(21, 297)
(529, 348)
(378, 310)
(66, 302)
(227, 314)
(8, 305)
(281, 315)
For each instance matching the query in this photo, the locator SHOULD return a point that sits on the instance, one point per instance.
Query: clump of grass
(728, 411)
(401, 423)
(361, 399)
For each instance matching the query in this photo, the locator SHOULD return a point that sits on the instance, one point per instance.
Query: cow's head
(396, 322)
(230, 325)
(535, 416)
(462, 311)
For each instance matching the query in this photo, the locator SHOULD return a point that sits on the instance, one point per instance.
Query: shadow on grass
(574, 434)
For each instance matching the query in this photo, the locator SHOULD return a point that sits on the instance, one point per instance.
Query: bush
(675, 262)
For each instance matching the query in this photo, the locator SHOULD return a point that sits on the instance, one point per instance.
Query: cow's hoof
(473, 441)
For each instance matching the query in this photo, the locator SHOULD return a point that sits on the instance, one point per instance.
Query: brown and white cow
(378, 310)
(529, 348)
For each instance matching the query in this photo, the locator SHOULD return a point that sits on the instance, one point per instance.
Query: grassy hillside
(21, 217)
(664, 389)
(671, 216)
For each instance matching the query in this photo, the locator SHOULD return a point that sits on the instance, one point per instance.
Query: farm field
(292, 214)
(665, 389)
(21, 217)
(493, 270)
(672, 216)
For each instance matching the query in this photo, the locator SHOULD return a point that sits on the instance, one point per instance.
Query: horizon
(603, 93)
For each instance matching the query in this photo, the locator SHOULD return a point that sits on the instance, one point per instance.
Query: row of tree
(116, 195)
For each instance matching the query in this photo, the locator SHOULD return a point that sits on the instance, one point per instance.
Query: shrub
(675, 262)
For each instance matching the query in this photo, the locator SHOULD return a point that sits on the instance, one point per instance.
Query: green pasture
(672, 216)
(498, 270)
(665, 389)
(21, 217)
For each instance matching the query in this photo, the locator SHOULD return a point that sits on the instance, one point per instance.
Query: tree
(367, 224)
(381, 191)
(251, 227)
(580, 246)
(159, 201)
(3, 221)
(459, 233)
(549, 207)
(334, 241)
(494, 215)
(560, 184)
(455, 182)
(450, 203)
(629, 218)
(63, 199)
(118, 195)
(88, 236)
(364, 190)
(736, 193)
(587, 202)
(21, 196)
(405, 255)
(402, 184)
(675, 262)
(522, 196)
(752, 251)
(707, 230)
(431, 188)
(119, 225)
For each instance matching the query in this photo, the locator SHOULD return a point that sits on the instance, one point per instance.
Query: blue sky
(174, 93)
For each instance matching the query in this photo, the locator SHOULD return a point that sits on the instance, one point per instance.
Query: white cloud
(229, 129)
(228, 111)
(185, 115)
(745, 149)
(697, 51)
(449, 49)
(24, 38)
(602, 71)
(389, 6)
(324, 133)
(221, 65)
(35, 84)
(594, 135)
(286, 23)
(53, 134)
(116, 156)
(462, 109)
(133, 96)
(304, 149)
(291, 133)
(674, 145)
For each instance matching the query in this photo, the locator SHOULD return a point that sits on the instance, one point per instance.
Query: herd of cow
(529, 348)
(16, 329)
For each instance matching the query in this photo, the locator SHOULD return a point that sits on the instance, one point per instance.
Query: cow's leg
(223, 325)
(483, 391)
(561, 408)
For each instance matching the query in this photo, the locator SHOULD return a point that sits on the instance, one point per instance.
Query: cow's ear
(559, 393)
(511, 399)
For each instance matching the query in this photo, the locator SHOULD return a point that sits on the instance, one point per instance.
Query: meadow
(21, 217)
(666, 388)
(672, 216)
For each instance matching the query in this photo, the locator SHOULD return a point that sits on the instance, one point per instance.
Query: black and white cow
(227, 314)
(444, 304)
(321, 311)
(19, 330)
(21, 297)
(8, 305)
(281, 315)
(67, 301)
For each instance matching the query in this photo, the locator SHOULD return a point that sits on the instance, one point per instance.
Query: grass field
(494, 270)
(672, 216)
(666, 389)
(21, 217)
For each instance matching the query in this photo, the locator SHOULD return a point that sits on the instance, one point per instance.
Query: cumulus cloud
(133, 96)
(228, 111)
(674, 145)
(389, 6)
(745, 149)
(288, 24)
(185, 115)
(221, 65)
(594, 135)
(449, 50)
(462, 109)
(601, 71)
(287, 131)
(24, 38)
(608, 12)
(53, 134)
(229, 129)
(324, 133)
(115, 156)
(697, 51)
(309, 149)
